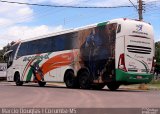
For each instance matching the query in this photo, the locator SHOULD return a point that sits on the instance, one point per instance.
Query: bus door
(9, 57)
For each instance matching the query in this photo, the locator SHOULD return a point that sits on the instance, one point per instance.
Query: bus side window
(119, 28)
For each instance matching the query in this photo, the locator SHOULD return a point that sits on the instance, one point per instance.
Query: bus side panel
(17, 66)
(58, 63)
(52, 65)
(10, 74)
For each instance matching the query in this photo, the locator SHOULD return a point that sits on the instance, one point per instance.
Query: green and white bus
(112, 53)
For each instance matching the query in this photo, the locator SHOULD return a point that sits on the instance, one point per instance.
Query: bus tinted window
(50, 44)
(14, 48)
(23, 49)
(119, 28)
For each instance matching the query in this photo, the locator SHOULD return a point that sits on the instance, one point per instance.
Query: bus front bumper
(132, 78)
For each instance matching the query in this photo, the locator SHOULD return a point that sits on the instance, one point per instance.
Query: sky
(19, 22)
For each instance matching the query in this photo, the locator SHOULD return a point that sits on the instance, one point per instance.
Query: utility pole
(140, 12)
(140, 9)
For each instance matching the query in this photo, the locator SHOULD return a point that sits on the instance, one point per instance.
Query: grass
(155, 83)
(157, 86)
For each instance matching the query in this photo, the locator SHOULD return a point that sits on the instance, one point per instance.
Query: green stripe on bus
(131, 77)
(29, 76)
(102, 24)
(25, 68)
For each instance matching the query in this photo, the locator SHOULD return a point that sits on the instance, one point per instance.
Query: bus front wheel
(113, 86)
(17, 80)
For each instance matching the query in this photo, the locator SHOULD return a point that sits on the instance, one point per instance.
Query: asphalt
(58, 96)
(129, 87)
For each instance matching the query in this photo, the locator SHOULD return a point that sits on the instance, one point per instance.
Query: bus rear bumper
(132, 78)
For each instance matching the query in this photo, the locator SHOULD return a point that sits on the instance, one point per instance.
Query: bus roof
(77, 29)
(61, 32)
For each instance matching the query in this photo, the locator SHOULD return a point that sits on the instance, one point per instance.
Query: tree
(157, 52)
(1, 56)
(5, 49)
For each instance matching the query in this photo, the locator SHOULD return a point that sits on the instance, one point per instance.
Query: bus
(113, 53)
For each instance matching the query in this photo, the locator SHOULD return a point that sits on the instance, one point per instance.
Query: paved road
(31, 95)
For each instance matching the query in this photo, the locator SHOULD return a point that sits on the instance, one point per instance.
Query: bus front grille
(139, 49)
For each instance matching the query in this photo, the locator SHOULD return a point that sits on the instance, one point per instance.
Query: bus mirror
(6, 53)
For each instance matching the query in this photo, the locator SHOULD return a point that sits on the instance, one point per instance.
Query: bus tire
(113, 86)
(84, 80)
(41, 84)
(98, 86)
(70, 80)
(17, 80)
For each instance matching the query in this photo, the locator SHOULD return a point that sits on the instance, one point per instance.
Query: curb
(132, 87)
(57, 84)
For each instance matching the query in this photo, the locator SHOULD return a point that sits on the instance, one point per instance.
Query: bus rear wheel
(113, 86)
(84, 80)
(41, 84)
(17, 80)
(70, 80)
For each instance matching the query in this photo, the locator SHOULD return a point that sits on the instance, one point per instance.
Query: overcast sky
(18, 22)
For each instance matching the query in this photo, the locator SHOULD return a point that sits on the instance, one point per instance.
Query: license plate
(139, 77)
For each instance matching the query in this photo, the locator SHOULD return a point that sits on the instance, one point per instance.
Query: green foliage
(1, 56)
(155, 82)
(157, 52)
(5, 49)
